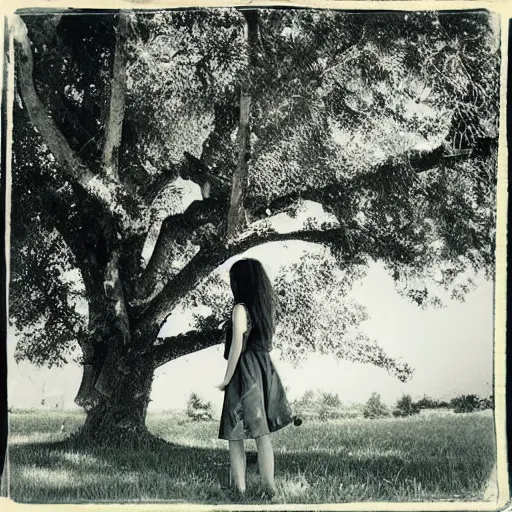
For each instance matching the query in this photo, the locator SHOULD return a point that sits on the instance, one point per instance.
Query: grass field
(423, 458)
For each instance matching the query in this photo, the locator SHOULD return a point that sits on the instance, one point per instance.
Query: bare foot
(271, 495)
(239, 493)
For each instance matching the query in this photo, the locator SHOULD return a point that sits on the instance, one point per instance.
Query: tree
(405, 407)
(488, 403)
(466, 403)
(428, 403)
(331, 399)
(330, 406)
(375, 408)
(198, 409)
(266, 113)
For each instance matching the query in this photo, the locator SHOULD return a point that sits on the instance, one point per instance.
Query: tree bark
(236, 215)
(191, 226)
(114, 392)
(114, 124)
(236, 208)
(114, 297)
(187, 343)
(88, 397)
(121, 417)
(158, 309)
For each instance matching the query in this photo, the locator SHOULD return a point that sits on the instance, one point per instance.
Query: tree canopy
(387, 120)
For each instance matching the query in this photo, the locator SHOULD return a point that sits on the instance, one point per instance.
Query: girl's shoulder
(241, 308)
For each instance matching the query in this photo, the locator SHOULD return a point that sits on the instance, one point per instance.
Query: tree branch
(204, 263)
(197, 225)
(153, 316)
(351, 243)
(418, 160)
(236, 215)
(39, 115)
(113, 286)
(115, 115)
(187, 343)
(238, 190)
(71, 164)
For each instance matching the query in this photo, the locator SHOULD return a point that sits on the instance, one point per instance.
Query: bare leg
(266, 463)
(237, 460)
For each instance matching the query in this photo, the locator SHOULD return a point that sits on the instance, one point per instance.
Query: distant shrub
(198, 409)
(405, 407)
(487, 403)
(329, 413)
(308, 399)
(374, 408)
(466, 404)
(330, 399)
(321, 405)
(428, 403)
(351, 413)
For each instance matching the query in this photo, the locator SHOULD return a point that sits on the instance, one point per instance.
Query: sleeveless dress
(255, 402)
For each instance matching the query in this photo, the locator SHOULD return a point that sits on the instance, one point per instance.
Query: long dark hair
(250, 285)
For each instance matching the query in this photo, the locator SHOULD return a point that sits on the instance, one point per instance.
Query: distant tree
(405, 407)
(466, 403)
(198, 408)
(424, 403)
(427, 403)
(306, 399)
(323, 405)
(329, 406)
(375, 408)
(330, 399)
(489, 402)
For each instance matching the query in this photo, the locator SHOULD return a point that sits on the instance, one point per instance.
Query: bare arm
(239, 328)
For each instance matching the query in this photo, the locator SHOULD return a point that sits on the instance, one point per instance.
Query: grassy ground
(428, 457)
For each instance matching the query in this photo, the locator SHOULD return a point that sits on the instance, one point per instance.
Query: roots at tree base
(134, 439)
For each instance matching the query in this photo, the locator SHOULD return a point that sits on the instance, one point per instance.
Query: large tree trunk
(121, 417)
(115, 387)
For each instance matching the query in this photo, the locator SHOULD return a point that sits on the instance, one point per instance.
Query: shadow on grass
(68, 471)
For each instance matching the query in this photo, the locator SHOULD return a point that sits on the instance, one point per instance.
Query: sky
(450, 349)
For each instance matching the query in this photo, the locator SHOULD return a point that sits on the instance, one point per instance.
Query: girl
(255, 402)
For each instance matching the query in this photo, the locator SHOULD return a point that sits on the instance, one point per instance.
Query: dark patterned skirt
(255, 402)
